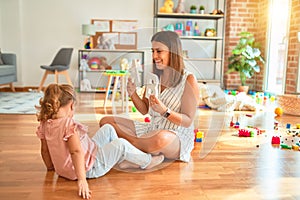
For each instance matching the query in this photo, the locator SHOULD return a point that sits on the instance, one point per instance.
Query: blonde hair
(55, 96)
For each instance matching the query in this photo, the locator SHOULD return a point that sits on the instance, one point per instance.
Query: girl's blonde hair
(55, 96)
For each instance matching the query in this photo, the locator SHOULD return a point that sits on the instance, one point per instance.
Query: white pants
(113, 150)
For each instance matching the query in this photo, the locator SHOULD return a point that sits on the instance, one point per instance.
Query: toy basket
(289, 103)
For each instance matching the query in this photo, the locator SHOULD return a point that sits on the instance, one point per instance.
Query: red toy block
(275, 140)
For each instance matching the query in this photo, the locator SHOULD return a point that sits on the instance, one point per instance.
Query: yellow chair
(59, 65)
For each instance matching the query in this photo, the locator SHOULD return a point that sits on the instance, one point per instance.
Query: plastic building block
(199, 136)
(285, 146)
(295, 147)
(247, 132)
(147, 119)
(275, 140)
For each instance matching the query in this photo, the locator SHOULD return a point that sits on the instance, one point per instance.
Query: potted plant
(245, 58)
(193, 9)
(201, 9)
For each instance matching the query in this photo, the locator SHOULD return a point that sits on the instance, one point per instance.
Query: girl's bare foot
(156, 160)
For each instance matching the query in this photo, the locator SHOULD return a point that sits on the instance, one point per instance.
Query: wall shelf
(204, 54)
(96, 77)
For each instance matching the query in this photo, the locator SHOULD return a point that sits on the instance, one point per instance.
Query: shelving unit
(96, 77)
(205, 54)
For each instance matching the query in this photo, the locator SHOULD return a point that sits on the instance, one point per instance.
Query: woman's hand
(83, 188)
(131, 87)
(157, 105)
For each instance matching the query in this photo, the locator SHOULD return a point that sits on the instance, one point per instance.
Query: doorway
(277, 46)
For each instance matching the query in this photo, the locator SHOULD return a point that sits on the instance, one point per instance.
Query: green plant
(193, 7)
(245, 57)
(201, 7)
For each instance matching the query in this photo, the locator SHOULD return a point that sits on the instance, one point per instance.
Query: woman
(171, 131)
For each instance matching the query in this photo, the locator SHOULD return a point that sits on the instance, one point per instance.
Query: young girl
(67, 148)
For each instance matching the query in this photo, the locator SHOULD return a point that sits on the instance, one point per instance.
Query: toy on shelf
(217, 12)
(124, 64)
(179, 28)
(210, 32)
(180, 7)
(169, 27)
(168, 7)
(105, 43)
(98, 63)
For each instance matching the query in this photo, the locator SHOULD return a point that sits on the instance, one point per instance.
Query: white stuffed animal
(84, 67)
(85, 85)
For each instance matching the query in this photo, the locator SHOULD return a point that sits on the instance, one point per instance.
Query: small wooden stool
(117, 75)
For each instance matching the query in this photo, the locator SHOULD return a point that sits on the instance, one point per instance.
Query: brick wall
(252, 16)
(294, 49)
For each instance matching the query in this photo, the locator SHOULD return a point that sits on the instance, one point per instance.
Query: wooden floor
(224, 166)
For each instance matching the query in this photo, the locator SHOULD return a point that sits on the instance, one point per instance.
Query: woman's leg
(156, 142)
(159, 142)
(123, 126)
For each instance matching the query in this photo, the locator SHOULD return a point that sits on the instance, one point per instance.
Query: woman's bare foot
(126, 165)
(156, 160)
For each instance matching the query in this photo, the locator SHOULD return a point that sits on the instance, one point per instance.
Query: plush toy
(105, 43)
(104, 65)
(85, 85)
(180, 7)
(168, 7)
(84, 67)
(124, 64)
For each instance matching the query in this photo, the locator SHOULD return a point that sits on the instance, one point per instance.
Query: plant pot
(193, 11)
(244, 88)
(201, 11)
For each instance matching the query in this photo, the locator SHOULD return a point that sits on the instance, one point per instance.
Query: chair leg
(43, 81)
(12, 87)
(66, 74)
(56, 76)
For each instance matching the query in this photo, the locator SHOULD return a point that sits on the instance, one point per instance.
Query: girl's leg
(120, 149)
(105, 135)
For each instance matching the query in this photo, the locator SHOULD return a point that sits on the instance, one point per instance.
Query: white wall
(36, 29)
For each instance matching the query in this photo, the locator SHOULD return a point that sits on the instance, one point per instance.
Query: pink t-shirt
(57, 132)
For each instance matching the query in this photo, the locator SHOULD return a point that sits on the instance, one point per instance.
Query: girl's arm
(46, 155)
(77, 155)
